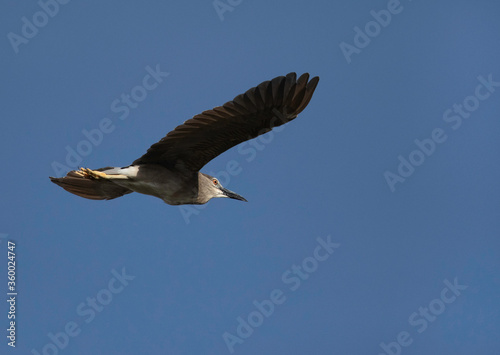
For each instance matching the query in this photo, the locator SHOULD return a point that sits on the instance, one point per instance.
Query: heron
(170, 169)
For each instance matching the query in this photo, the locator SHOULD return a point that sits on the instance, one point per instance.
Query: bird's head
(210, 187)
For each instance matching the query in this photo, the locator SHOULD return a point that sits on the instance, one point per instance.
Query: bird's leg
(94, 174)
(88, 173)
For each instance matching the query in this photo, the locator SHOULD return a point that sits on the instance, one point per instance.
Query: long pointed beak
(231, 194)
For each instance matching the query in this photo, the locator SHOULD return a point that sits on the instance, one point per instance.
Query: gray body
(173, 187)
(170, 168)
(152, 179)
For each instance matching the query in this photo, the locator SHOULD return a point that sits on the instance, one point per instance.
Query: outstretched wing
(198, 140)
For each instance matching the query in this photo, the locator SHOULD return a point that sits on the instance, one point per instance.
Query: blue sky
(372, 225)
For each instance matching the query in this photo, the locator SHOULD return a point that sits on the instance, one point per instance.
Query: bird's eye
(215, 181)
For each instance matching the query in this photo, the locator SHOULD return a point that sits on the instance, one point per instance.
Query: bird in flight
(170, 169)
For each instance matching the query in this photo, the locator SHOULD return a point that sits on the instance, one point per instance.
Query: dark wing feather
(198, 140)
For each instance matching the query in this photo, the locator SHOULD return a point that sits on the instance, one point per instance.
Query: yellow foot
(93, 174)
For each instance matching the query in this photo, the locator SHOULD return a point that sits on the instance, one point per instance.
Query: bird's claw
(93, 174)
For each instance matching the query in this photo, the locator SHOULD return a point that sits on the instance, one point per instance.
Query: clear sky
(372, 225)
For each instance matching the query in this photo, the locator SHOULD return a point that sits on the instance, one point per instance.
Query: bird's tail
(84, 185)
